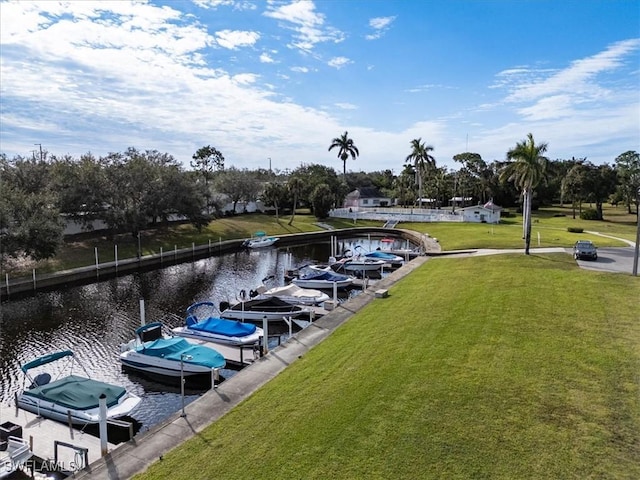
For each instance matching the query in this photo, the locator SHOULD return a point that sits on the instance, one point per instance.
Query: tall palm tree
(346, 148)
(421, 158)
(527, 169)
(294, 185)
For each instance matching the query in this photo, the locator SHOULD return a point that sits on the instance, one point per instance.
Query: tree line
(132, 190)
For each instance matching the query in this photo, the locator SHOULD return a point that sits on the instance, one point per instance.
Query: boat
(153, 352)
(322, 279)
(257, 309)
(378, 254)
(72, 397)
(15, 455)
(202, 325)
(358, 263)
(260, 240)
(292, 293)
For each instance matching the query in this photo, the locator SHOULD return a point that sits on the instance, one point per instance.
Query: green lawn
(549, 229)
(508, 367)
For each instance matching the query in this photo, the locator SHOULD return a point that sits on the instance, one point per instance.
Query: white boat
(203, 325)
(260, 240)
(293, 294)
(152, 352)
(317, 277)
(378, 254)
(271, 308)
(15, 456)
(358, 263)
(72, 396)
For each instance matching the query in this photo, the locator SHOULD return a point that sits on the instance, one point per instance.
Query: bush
(574, 230)
(589, 214)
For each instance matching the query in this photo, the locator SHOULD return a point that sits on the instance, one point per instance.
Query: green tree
(628, 170)
(30, 223)
(346, 148)
(526, 170)
(421, 159)
(572, 186)
(321, 200)
(294, 186)
(599, 182)
(274, 194)
(238, 185)
(206, 161)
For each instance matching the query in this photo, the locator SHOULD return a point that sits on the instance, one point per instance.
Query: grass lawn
(549, 229)
(508, 367)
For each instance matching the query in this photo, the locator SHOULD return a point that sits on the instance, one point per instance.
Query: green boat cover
(178, 348)
(78, 393)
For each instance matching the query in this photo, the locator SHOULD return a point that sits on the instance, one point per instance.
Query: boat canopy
(52, 357)
(220, 326)
(179, 349)
(78, 393)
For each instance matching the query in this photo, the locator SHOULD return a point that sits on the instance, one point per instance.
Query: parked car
(585, 249)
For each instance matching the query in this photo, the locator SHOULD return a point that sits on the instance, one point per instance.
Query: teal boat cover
(220, 326)
(176, 348)
(77, 393)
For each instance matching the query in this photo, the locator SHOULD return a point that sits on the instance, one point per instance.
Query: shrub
(574, 229)
(589, 214)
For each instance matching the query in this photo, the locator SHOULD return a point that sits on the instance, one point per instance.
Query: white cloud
(232, 39)
(380, 25)
(299, 69)
(308, 25)
(346, 106)
(266, 58)
(339, 62)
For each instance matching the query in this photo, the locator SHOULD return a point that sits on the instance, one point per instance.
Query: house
(487, 213)
(367, 197)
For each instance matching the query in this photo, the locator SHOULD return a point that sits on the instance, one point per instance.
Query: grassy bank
(507, 367)
(549, 230)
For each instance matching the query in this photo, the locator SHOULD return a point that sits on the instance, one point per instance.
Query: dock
(75, 446)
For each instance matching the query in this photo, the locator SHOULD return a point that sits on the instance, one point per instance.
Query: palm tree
(294, 185)
(526, 171)
(421, 158)
(346, 148)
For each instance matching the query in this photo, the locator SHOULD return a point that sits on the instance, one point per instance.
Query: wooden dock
(42, 434)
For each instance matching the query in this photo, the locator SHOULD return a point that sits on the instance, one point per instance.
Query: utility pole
(637, 249)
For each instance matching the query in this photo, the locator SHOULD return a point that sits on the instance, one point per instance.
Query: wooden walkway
(43, 434)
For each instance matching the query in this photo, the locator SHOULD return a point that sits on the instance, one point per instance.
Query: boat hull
(64, 414)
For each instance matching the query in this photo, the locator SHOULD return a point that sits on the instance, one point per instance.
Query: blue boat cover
(324, 275)
(381, 255)
(176, 348)
(220, 326)
(78, 393)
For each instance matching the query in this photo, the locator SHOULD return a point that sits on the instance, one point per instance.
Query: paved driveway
(611, 259)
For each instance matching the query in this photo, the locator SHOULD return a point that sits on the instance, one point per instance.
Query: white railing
(398, 214)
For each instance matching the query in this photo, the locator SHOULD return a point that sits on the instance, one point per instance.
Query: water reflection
(93, 320)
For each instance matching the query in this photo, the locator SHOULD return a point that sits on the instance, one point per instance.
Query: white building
(487, 213)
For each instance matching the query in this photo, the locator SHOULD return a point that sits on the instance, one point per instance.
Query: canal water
(94, 320)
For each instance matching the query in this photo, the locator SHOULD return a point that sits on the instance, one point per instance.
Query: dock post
(265, 338)
(6, 281)
(102, 401)
(335, 293)
(95, 249)
(115, 255)
(143, 320)
(34, 278)
(69, 422)
(215, 376)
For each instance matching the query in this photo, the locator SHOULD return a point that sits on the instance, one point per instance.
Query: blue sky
(273, 82)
